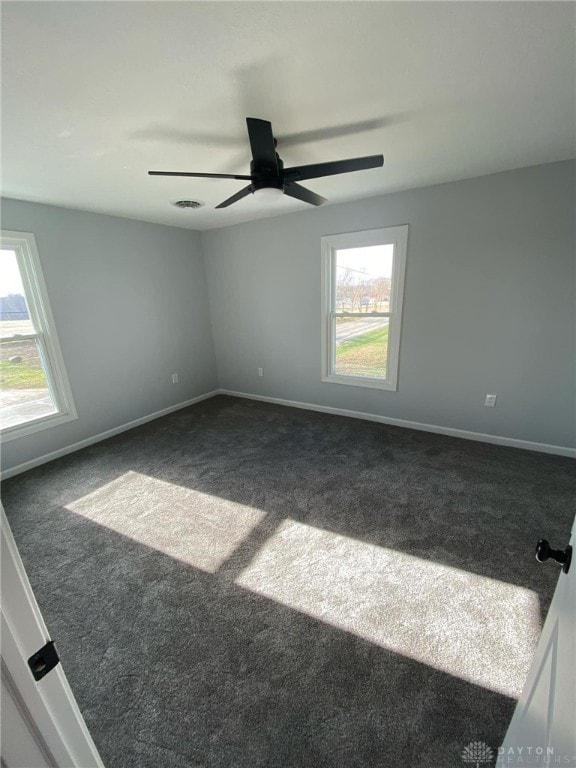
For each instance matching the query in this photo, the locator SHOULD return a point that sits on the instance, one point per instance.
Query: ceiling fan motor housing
(266, 176)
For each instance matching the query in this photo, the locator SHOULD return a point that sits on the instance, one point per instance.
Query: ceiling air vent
(187, 204)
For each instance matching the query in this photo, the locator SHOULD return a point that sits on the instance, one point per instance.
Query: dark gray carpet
(240, 585)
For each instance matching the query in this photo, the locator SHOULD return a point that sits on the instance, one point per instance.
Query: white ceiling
(96, 94)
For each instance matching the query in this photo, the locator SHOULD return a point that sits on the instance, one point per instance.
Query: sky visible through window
(10, 280)
(372, 261)
(14, 314)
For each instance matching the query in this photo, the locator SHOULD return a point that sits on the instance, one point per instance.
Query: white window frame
(24, 246)
(396, 236)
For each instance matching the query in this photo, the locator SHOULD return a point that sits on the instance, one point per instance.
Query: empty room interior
(287, 299)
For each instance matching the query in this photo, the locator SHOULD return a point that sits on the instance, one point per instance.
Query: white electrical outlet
(260, 371)
(174, 378)
(490, 401)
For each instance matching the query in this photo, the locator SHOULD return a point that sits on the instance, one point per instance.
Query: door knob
(562, 556)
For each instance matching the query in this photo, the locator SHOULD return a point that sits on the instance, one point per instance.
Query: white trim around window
(23, 244)
(397, 237)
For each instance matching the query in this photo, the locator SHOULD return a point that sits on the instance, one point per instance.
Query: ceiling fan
(268, 177)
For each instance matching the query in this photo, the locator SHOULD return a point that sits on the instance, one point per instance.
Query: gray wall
(489, 304)
(130, 305)
(489, 307)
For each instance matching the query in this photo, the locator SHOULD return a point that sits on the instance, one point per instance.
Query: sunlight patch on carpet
(188, 525)
(478, 629)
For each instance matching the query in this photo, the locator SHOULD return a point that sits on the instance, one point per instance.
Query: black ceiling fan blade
(301, 193)
(331, 132)
(238, 196)
(200, 175)
(299, 173)
(262, 143)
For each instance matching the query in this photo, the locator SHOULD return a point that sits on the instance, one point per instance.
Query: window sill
(360, 381)
(37, 425)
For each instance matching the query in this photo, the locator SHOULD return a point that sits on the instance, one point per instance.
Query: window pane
(24, 392)
(364, 278)
(361, 346)
(14, 315)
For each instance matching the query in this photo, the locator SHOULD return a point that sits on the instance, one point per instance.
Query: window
(34, 393)
(362, 291)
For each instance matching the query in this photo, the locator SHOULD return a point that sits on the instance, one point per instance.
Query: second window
(363, 286)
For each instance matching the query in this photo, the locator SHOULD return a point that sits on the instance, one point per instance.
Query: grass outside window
(363, 355)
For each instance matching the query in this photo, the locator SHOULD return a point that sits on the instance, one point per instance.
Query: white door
(41, 723)
(542, 731)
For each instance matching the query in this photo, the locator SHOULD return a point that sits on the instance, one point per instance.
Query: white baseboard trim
(102, 436)
(511, 442)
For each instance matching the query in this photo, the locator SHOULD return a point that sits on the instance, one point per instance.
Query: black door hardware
(44, 660)
(544, 551)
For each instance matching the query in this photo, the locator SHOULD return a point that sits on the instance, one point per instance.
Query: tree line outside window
(356, 292)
